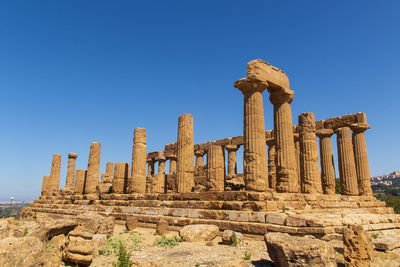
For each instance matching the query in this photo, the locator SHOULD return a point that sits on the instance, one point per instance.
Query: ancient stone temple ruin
(288, 182)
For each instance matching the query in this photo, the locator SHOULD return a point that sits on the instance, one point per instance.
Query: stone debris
(198, 232)
(286, 250)
(227, 237)
(358, 248)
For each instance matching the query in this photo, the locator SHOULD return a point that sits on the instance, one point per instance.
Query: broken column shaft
(71, 170)
(216, 168)
(54, 181)
(93, 170)
(138, 182)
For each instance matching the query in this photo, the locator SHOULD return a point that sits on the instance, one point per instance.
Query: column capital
(359, 127)
(270, 141)
(322, 133)
(72, 155)
(280, 95)
(199, 152)
(251, 84)
(232, 147)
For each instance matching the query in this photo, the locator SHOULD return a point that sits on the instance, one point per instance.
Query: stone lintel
(266, 72)
(345, 121)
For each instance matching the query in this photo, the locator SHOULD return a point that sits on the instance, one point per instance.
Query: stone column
(199, 157)
(328, 176)
(361, 159)
(271, 163)
(107, 177)
(54, 181)
(80, 181)
(45, 186)
(150, 168)
(172, 165)
(216, 168)
(347, 166)
(139, 161)
(232, 166)
(93, 170)
(185, 154)
(255, 152)
(71, 170)
(309, 167)
(121, 174)
(297, 155)
(286, 162)
(158, 185)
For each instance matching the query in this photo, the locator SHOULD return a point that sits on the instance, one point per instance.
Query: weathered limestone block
(361, 159)
(327, 167)
(309, 169)
(255, 153)
(216, 168)
(131, 223)
(286, 250)
(54, 181)
(121, 174)
(162, 227)
(232, 165)
(271, 163)
(80, 181)
(227, 238)
(46, 188)
(93, 170)
(138, 183)
(71, 170)
(185, 154)
(345, 121)
(286, 164)
(347, 168)
(198, 232)
(358, 249)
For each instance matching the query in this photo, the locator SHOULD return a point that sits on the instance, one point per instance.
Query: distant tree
(338, 190)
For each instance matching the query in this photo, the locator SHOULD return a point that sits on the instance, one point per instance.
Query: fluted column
(347, 166)
(309, 168)
(255, 152)
(107, 177)
(232, 165)
(172, 165)
(297, 155)
(46, 188)
(286, 162)
(71, 170)
(158, 182)
(271, 163)
(138, 183)
(361, 159)
(93, 170)
(54, 181)
(216, 168)
(80, 178)
(150, 168)
(121, 174)
(328, 176)
(185, 154)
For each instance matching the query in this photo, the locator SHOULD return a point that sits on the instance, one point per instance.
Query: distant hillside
(14, 210)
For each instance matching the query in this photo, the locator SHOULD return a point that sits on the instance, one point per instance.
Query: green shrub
(375, 235)
(247, 256)
(123, 256)
(168, 242)
(112, 246)
(283, 208)
(234, 239)
(25, 231)
(136, 242)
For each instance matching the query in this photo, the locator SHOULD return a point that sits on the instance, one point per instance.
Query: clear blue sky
(74, 72)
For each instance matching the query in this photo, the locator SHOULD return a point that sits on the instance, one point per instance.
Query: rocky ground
(95, 240)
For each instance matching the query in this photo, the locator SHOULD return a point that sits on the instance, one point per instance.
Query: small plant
(25, 231)
(234, 239)
(375, 235)
(136, 242)
(283, 208)
(342, 215)
(123, 256)
(197, 265)
(112, 246)
(247, 255)
(168, 242)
